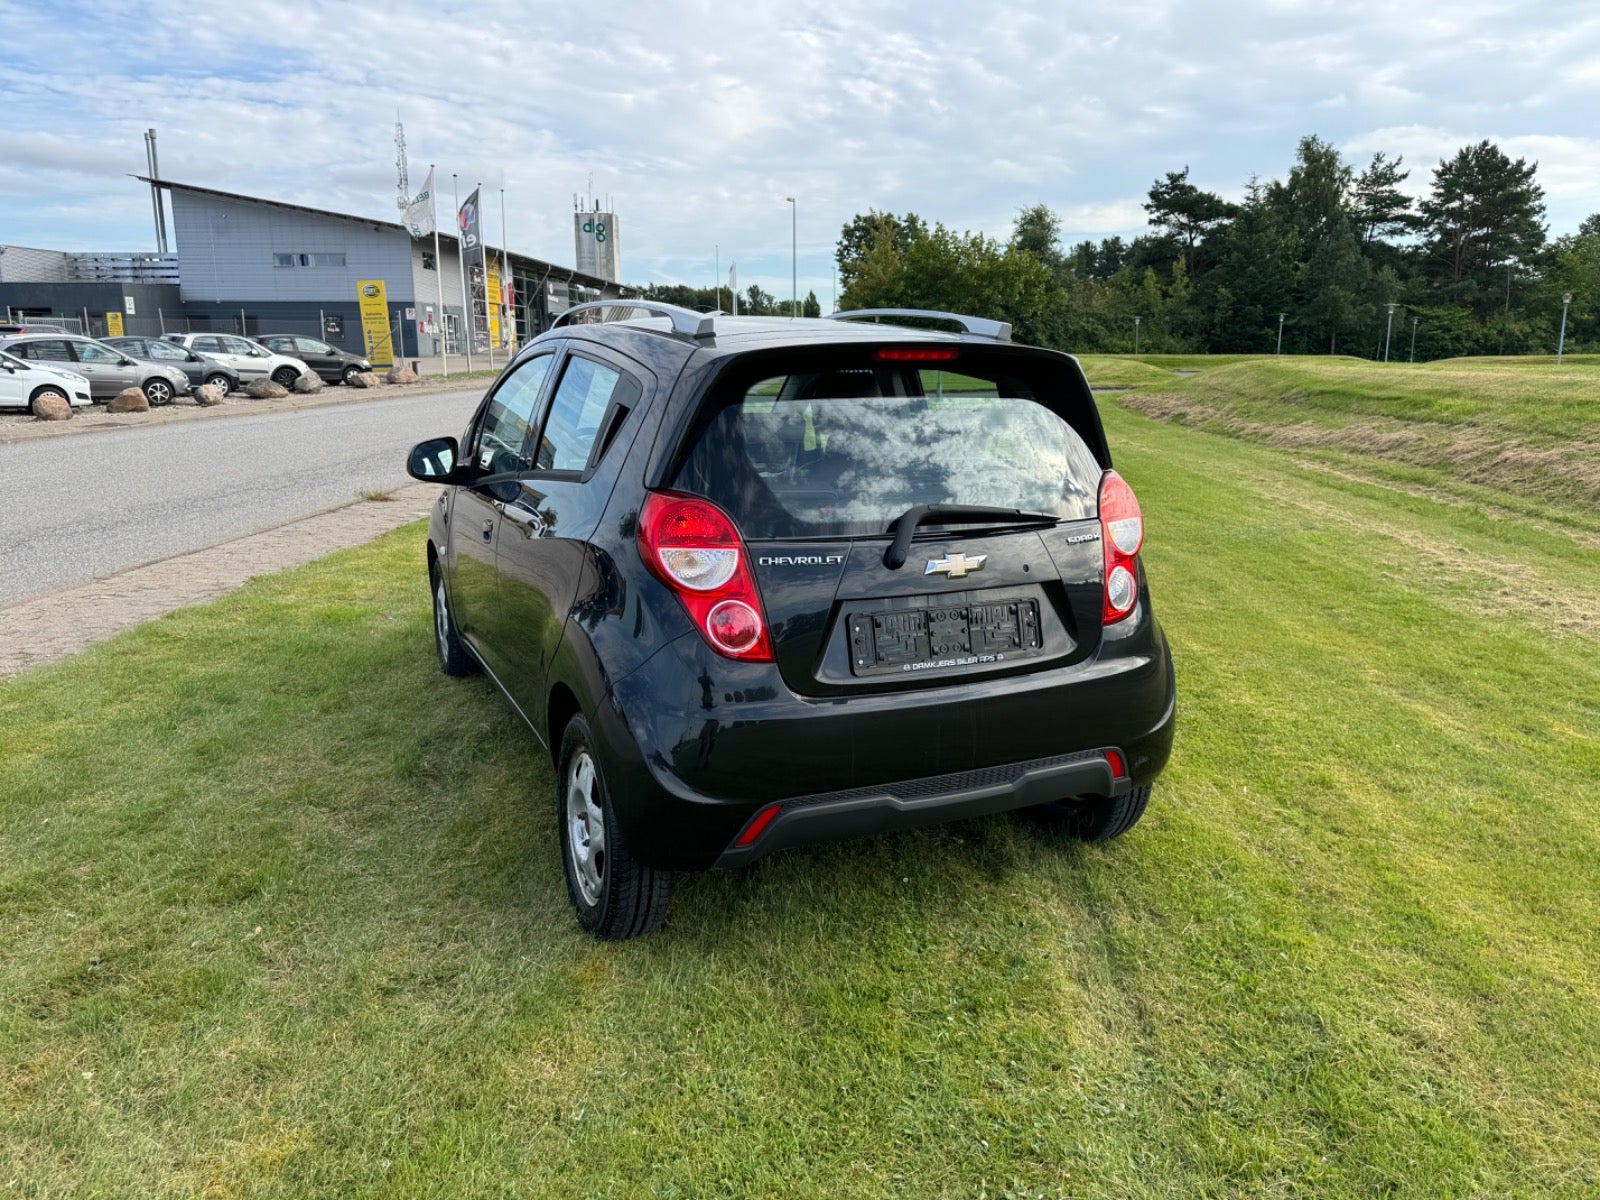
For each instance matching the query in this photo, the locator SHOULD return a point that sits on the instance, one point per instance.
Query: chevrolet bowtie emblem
(956, 566)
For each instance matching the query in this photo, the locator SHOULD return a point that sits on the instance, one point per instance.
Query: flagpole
(483, 228)
(438, 275)
(507, 337)
(461, 263)
(716, 274)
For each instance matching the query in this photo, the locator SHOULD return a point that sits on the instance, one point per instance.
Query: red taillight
(1114, 761)
(1121, 535)
(757, 827)
(694, 548)
(908, 354)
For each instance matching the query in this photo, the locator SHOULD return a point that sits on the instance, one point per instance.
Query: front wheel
(1094, 818)
(453, 657)
(614, 895)
(45, 393)
(221, 383)
(350, 374)
(158, 392)
(284, 377)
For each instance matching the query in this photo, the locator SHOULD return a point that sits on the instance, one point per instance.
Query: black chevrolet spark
(757, 583)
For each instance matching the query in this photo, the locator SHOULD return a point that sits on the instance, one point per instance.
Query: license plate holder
(942, 636)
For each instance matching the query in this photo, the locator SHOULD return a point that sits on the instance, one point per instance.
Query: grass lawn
(281, 913)
(1494, 430)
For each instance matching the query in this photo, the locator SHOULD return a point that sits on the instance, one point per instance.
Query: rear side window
(843, 452)
(580, 404)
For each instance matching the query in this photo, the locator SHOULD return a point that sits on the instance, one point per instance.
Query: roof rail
(999, 331)
(685, 321)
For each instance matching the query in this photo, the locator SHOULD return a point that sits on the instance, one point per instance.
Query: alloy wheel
(586, 828)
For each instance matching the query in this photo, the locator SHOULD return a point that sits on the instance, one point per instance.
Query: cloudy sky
(697, 119)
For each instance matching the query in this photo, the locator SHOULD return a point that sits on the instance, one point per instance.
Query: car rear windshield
(843, 451)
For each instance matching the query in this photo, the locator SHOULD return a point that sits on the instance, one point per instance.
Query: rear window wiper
(904, 527)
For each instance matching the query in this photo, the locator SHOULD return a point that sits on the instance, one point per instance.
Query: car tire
(57, 393)
(284, 377)
(454, 659)
(158, 392)
(350, 374)
(614, 895)
(1094, 818)
(220, 382)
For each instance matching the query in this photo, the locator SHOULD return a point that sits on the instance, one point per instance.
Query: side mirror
(127, 362)
(434, 461)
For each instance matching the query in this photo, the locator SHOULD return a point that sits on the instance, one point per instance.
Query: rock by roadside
(264, 389)
(308, 383)
(128, 400)
(207, 395)
(52, 408)
(363, 379)
(400, 375)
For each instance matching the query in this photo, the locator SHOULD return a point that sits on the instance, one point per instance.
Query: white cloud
(698, 118)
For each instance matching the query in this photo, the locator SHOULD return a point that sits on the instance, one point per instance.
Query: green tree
(1186, 213)
(1330, 272)
(1038, 232)
(1378, 208)
(872, 231)
(1484, 213)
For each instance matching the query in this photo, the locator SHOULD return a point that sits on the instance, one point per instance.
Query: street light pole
(1136, 335)
(794, 258)
(1280, 334)
(1414, 321)
(1566, 299)
(1388, 330)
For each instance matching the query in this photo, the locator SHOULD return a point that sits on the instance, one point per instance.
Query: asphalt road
(78, 508)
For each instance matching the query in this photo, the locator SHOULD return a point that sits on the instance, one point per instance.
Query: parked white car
(251, 359)
(23, 383)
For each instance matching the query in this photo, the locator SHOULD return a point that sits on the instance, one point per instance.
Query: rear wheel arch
(563, 706)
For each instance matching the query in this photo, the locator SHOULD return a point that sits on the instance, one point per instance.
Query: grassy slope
(281, 912)
(1529, 431)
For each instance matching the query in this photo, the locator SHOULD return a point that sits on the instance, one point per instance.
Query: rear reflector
(1118, 768)
(757, 827)
(907, 354)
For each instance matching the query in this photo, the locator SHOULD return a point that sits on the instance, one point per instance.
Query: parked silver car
(23, 384)
(108, 369)
(251, 359)
(198, 367)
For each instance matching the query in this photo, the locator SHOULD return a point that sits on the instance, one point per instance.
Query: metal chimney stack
(155, 190)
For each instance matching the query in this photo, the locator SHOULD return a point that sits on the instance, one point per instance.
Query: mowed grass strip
(281, 912)
(1504, 430)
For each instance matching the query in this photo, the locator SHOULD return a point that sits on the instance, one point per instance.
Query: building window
(308, 260)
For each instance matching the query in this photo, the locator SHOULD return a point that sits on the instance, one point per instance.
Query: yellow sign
(494, 307)
(373, 299)
(113, 324)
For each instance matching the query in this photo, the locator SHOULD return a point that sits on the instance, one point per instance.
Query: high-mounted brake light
(1121, 536)
(909, 354)
(694, 548)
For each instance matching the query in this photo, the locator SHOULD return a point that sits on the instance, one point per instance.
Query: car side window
(89, 352)
(165, 350)
(581, 402)
(208, 345)
(506, 422)
(308, 346)
(49, 350)
(237, 345)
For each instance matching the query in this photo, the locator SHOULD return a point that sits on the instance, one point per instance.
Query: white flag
(420, 220)
(733, 285)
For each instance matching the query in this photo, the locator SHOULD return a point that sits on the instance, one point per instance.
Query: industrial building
(252, 265)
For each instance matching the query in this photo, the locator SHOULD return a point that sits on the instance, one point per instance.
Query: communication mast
(404, 180)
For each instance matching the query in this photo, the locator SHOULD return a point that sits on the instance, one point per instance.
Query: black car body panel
(330, 363)
(544, 577)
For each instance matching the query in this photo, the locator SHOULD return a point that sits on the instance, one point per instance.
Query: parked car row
(39, 360)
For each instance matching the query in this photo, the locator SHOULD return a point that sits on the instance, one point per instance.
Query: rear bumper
(694, 750)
